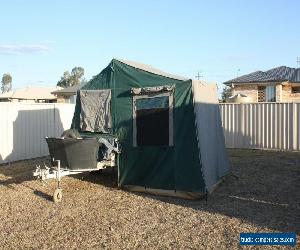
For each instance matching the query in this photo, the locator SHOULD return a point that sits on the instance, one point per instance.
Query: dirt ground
(262, 196)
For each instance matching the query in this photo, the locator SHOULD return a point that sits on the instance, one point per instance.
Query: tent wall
(211, 141)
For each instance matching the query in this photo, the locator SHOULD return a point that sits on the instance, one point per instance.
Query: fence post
(295, 129)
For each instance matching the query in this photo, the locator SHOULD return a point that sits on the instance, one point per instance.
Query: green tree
(64, 80)
(227, 92)
(6, 83)
(76, 75)
(75, 78)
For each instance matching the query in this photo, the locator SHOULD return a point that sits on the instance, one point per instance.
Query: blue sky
(41, 39)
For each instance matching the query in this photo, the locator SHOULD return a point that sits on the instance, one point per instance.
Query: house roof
(69, 90)
(151, 69)
(6, 95)
(30, 93)
(282, 73)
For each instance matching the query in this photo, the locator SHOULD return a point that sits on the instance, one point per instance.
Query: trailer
(71, 156)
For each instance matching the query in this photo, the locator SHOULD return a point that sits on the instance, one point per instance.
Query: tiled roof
(69, 90)
(282, 73)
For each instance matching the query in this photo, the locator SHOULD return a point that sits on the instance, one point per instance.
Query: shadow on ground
(263, 190)
(43, 195)
(106, 177)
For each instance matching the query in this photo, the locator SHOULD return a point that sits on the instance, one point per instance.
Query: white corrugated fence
(23, 128)
(262, 125)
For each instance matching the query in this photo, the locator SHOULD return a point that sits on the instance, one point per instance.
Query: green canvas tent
(169, 128)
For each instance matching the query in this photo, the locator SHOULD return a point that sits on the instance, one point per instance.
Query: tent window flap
(95, 113)
(153, 119)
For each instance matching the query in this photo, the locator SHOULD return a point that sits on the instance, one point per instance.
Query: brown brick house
(280, 84)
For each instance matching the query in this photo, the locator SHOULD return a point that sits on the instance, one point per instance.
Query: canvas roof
(282, 73)
(30, 93)
(151, 69)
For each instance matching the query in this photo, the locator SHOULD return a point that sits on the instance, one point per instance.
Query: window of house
(267, 93)
(295, 89)
(153, 119)
(271, 93)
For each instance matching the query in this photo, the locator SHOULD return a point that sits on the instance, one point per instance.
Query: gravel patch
(262, 195)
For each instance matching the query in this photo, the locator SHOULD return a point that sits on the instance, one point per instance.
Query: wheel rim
(57, 196)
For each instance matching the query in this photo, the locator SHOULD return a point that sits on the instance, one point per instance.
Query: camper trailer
(168, 128)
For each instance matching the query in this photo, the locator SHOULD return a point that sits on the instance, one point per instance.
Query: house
(67, 95)
(281, 84)
(30, 94)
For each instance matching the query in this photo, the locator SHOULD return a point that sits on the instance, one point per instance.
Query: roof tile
(281, 73)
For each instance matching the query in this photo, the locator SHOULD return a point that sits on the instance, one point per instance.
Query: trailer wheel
(57, 196)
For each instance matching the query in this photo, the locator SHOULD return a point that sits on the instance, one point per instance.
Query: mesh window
(152, 121)
(261, 93)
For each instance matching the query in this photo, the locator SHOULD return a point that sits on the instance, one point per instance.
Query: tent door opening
(153, 120)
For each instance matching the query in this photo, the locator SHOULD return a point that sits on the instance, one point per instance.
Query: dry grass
(95, 214)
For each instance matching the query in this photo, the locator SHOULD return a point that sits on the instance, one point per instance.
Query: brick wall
(288, 96)
(248, 90)
(61, 99)
(283, 92)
